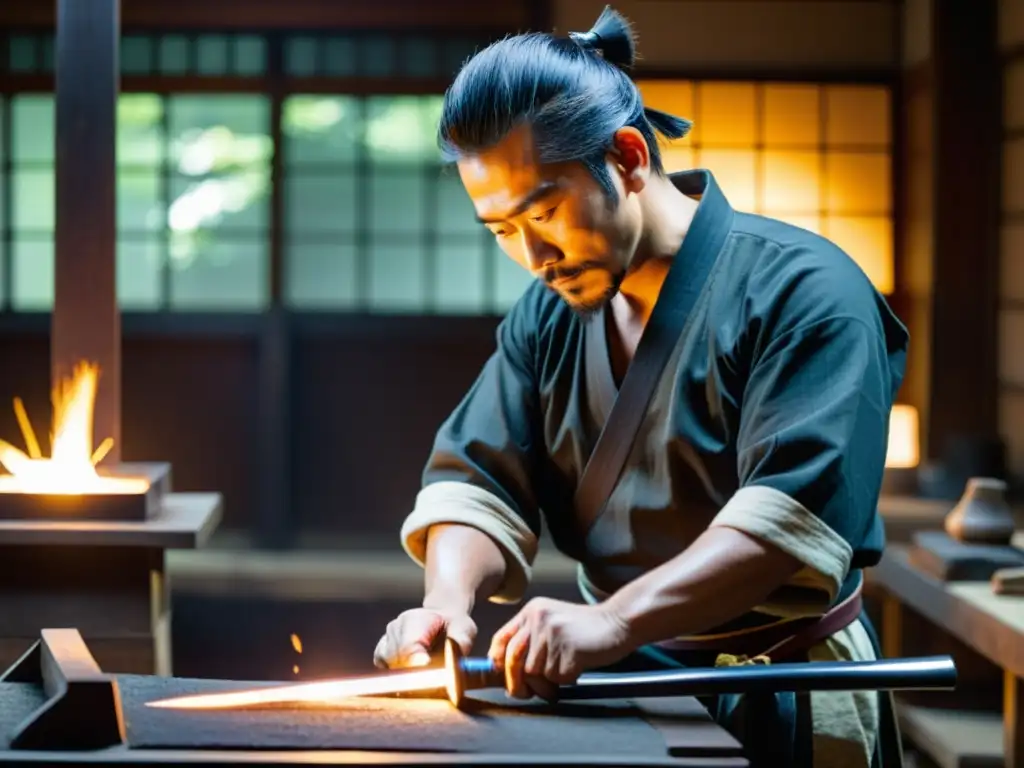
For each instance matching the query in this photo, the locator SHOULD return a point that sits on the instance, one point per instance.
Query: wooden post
(1013, 727)
(892, 626)
(965, 230)
(86, 323)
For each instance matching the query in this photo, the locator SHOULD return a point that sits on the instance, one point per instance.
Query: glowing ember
(71, 468)
(297, 645)
(322, 692)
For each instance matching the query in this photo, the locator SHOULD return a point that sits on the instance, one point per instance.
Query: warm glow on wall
(904, 438)
(816, 156)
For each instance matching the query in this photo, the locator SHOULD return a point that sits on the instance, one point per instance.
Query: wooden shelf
(993, 625)
(954, 738)
(185, 521)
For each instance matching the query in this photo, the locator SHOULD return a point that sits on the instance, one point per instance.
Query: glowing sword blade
(319, 692)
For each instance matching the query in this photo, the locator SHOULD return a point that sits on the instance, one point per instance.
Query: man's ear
(632, 156)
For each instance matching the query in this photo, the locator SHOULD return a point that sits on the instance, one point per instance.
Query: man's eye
(544, 216)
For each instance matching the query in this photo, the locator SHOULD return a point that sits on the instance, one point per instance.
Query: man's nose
(539, 253)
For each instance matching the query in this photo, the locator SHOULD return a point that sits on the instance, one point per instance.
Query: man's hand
(409, 638)
(550, 642)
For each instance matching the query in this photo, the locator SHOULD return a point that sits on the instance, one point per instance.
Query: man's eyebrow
(539, 192)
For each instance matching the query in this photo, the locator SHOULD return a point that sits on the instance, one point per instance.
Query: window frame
(278, 85)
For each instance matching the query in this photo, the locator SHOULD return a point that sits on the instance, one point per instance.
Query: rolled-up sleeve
(481, 469)
(811, 445)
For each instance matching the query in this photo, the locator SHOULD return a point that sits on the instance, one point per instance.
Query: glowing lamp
(904, 442)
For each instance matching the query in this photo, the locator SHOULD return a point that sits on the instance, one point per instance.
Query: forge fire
(71, 469)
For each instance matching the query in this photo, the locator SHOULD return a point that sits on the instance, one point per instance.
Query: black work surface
(17, 702)
(490, 723)
(411, 730)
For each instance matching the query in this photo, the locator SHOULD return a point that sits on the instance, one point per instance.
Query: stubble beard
(587, 308)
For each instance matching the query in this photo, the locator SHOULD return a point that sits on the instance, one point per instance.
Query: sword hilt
(468, 673)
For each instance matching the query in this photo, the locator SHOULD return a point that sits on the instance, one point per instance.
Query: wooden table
(106, 578)
(906, 515)
(990, 624)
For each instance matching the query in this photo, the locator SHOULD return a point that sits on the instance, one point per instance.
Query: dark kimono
(771, 417)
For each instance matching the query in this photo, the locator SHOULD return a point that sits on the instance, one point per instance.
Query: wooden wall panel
(1011, 340)
(1011, 416)
(915, 256)
(730, 35)
(1011, 23)
(1011, 283)
(950, 249)
(1011, 314)
(917, 32)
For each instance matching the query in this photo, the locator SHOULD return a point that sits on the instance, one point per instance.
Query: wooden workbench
(991, 625)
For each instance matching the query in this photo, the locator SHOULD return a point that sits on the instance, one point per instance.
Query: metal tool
(934, 672)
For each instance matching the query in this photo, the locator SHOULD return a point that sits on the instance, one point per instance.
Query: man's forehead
(499, 186)
(515, 155)
(500, 176)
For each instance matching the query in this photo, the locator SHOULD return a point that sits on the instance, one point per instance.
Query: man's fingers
(515, 657)
(463, 633)
(416, 637)
(408, 640)
(416, 655)
(380, 653)
(536, 660)
(542, 687)
(501, 638)
(565, 672)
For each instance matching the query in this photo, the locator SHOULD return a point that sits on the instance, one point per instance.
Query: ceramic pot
(982, 515)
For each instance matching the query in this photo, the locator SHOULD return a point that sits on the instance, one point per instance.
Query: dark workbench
(492, 730)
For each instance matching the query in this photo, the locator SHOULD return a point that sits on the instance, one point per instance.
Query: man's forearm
(721, 576)
(462, 566)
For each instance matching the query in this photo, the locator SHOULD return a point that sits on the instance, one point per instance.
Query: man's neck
(667, 215)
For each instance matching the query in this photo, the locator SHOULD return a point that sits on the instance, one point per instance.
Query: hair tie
(590, 40)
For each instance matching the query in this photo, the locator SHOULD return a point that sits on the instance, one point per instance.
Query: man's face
(555, 220)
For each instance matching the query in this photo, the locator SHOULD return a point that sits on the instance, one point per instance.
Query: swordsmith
(462, 674)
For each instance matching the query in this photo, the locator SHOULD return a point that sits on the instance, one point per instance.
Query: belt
(780, 640)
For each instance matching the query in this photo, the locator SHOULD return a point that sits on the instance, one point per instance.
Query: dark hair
(573, 91)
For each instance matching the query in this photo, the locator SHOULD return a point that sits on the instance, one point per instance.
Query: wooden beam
(295, 14)
(85, 319)
(276, 524)
(965, 267)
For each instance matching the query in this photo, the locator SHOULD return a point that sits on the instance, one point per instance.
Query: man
(746, 506)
